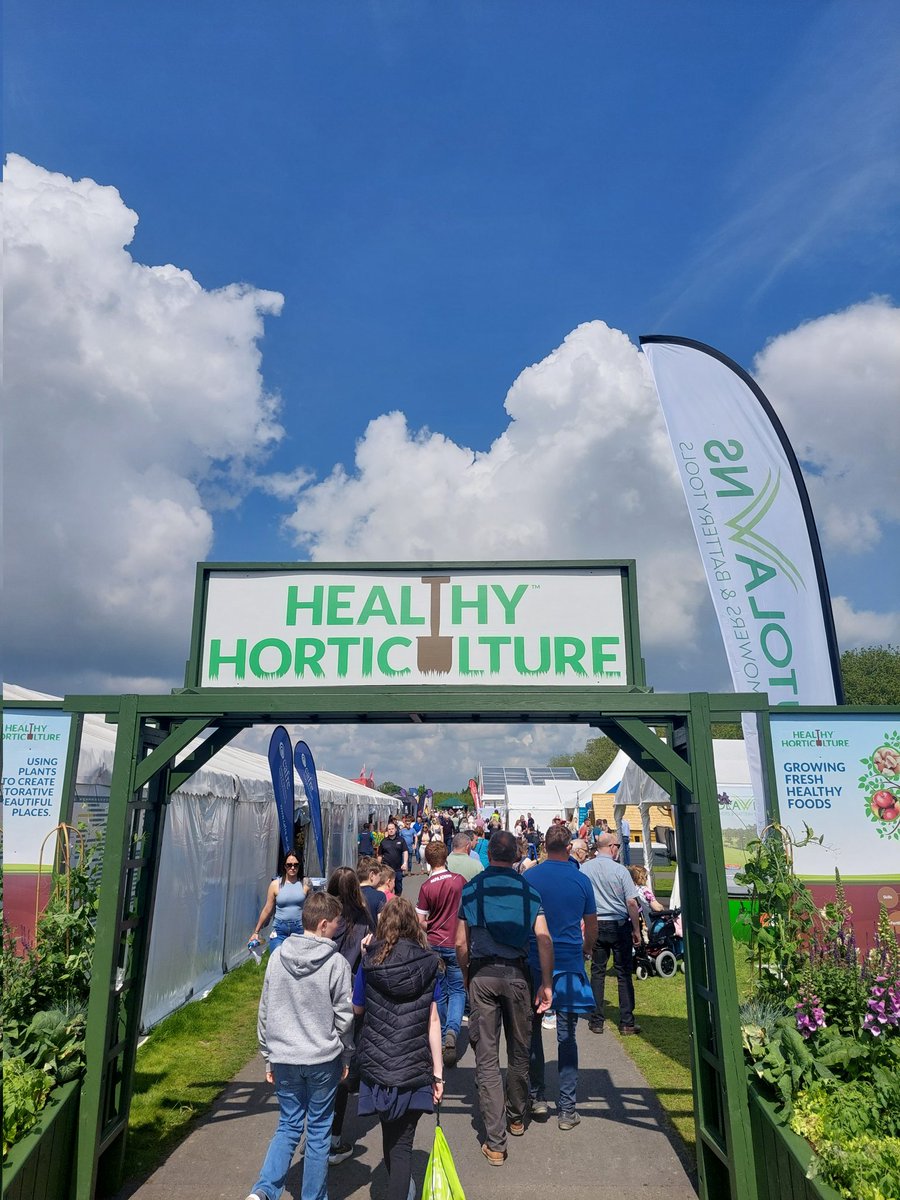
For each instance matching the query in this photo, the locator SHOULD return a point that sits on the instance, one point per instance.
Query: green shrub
(854, 1129)
(53, 1041)
(45, 995)
(863, 1168)
(25, 1092)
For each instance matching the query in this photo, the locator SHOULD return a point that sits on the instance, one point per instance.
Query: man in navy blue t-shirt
(567, 899)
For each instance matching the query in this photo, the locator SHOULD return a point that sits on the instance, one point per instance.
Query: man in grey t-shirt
(618, 931)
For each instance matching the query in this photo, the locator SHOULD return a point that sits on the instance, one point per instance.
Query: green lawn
(661, 1052)
(186, 1062)
(663, 882)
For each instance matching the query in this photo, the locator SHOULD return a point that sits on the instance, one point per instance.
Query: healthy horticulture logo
(511, 627)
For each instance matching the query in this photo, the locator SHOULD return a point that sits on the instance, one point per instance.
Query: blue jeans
(625, 856)
(283, 930)
(567, 1059)
(305, 1097)
(452, 996)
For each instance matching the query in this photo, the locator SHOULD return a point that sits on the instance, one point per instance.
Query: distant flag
(282, 768)
(306, 769)
(473, 788)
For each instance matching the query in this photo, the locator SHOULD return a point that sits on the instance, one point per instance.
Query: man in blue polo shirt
(567, 899)
(498, 912)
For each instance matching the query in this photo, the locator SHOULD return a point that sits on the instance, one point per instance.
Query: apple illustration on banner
(884, 806)
(883, 803)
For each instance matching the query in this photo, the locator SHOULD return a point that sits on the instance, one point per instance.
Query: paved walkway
(621, 1149)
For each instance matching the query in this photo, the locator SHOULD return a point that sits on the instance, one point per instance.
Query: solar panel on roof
(495, 780)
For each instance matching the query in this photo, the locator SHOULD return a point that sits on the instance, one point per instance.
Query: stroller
(663, 951)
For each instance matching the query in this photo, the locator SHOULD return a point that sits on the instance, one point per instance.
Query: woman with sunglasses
(285, 899)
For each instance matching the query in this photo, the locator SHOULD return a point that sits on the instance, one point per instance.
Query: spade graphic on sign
(433, 652)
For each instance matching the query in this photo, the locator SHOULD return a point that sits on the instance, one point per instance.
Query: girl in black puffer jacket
(400, 1051)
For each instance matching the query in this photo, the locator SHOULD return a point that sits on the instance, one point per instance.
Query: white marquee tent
(632, 787)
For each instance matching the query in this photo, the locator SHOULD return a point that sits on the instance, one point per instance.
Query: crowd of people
(499, 937)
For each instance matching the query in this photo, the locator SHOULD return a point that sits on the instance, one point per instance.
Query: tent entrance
(154, 730)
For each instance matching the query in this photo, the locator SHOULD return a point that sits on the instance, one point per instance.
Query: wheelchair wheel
(681, 965)
(641, 971)
(666, 964)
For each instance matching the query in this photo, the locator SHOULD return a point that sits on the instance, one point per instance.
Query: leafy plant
(855, 1131)
(25, 1092)
(45, 993)
(785, 1062)
(781, 911)
(52, 1040)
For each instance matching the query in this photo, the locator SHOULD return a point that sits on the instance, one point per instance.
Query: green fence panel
(41, 1166)
(782, 1157)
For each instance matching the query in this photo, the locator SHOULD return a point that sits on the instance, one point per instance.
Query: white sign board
(840, 775)
(354, 627)
(35, 748)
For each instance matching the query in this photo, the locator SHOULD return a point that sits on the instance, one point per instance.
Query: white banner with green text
(754, 526)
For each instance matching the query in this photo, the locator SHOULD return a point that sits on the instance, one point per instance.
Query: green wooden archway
(154, 730)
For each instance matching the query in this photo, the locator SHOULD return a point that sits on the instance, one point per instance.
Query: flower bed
(45, 993)
(821, 1035)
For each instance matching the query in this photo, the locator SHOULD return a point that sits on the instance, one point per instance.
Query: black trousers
(613, 937)
(397, 1139)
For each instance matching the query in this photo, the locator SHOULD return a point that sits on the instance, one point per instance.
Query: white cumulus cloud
(835, 383)
(863, 627)
(583, 469)
(130, 389)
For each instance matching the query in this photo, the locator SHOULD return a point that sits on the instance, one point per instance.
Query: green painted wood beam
(101, 1003)
(217, 740)
(663, 754)
(175, 741)
(398, 704)
(720, 950)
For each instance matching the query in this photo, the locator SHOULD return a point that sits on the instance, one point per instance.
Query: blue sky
(441, 194)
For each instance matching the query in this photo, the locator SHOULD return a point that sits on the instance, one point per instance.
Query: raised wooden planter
(41, 1166)
(781, 1156)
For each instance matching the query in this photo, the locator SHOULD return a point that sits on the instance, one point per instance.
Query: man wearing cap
(618, 931)
(498, 912)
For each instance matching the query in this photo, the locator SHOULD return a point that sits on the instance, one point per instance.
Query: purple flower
(809, 1014)
(882, 1007)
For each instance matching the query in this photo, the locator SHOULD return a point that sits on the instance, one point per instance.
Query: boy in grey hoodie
(305, 1030)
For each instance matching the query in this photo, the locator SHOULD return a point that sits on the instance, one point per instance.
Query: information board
(35, 751)
(840, 775)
